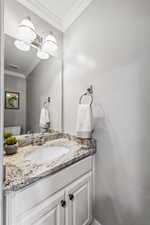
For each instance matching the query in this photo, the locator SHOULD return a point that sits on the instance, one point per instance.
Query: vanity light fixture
(27, 38)
(22, 45)
(50, 44)
(26, 31)
(42, 55)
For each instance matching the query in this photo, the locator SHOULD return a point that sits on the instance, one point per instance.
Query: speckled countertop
(21, 172)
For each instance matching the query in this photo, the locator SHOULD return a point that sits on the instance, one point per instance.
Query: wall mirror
(32, 88)
(32, 72)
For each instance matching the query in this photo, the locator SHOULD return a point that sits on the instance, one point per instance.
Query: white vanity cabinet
(64, 198)
(79, 204)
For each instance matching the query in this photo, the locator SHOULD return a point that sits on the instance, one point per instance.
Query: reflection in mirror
(32, 84)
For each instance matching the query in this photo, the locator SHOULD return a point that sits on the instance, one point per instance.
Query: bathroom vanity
(56, 191)
(49, 181)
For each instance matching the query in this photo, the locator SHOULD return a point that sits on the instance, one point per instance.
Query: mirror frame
(1, 104)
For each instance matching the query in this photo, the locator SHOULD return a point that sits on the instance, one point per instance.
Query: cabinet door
(79, 201)
(50, 212)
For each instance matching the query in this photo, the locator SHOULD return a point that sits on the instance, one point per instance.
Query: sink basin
(44, 153)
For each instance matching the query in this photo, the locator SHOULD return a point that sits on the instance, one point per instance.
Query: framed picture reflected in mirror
(12, 100)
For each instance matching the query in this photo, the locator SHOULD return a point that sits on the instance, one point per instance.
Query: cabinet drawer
(31, 196)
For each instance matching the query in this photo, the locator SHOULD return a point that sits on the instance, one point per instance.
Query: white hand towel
(44, 118)
(84, 121)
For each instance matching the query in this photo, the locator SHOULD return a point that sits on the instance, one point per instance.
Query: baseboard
(96, 223)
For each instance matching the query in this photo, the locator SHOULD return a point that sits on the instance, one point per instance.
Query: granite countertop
(21, 172)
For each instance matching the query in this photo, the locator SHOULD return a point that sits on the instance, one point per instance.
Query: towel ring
(85, 94)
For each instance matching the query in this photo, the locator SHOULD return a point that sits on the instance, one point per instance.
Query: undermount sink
(44, 153)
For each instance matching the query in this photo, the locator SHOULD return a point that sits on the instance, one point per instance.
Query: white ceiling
(26, 61)
(59, 13)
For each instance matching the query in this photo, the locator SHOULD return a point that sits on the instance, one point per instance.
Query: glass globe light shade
(26, 31)
(42, 55)
(50, 44)
(22, 46)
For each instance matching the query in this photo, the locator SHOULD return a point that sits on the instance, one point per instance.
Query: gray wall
(16, 117)
(109, 47)
(44, 82)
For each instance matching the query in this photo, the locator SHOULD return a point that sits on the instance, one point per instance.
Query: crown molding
(54, 20)
(15, 74)
(75, 12)
(96, 222)
(32, 67)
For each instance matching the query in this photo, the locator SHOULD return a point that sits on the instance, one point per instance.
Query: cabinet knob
(71, 197)
(63, 203)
